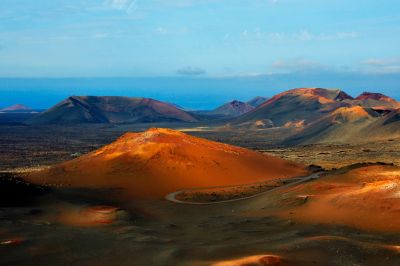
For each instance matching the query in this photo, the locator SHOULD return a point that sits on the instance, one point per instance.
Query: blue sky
(97, 38)
(203, 39)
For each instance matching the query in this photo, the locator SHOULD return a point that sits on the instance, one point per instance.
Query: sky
(220, 44)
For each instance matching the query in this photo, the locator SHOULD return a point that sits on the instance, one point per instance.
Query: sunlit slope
(158, 161)
(365, 198)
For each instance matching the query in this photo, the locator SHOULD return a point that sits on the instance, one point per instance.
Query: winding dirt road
(172, 196)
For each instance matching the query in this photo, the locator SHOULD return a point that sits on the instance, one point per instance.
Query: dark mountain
(232, 109)
(111, 109)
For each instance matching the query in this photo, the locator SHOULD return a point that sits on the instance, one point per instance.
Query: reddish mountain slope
(297, 105)
(159, 161)
(364, 198)
(376, 100)
(324, 115)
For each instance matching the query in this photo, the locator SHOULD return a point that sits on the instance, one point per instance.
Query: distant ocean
(192, 93)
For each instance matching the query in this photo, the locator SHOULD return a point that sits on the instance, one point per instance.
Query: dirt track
(172, 196)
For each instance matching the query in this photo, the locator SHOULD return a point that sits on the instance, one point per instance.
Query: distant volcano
(159, 161)
(16, 108)
(111, 109)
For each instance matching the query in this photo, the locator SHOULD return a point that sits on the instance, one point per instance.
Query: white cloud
(129, 6)
(184, 3)
(302, 35)
(245, 34)
(381, 65)
(296, 65)
(132, 7)
(305, 35)
(117, 4)
(340, 36)
(162, 30)
(100, 35)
